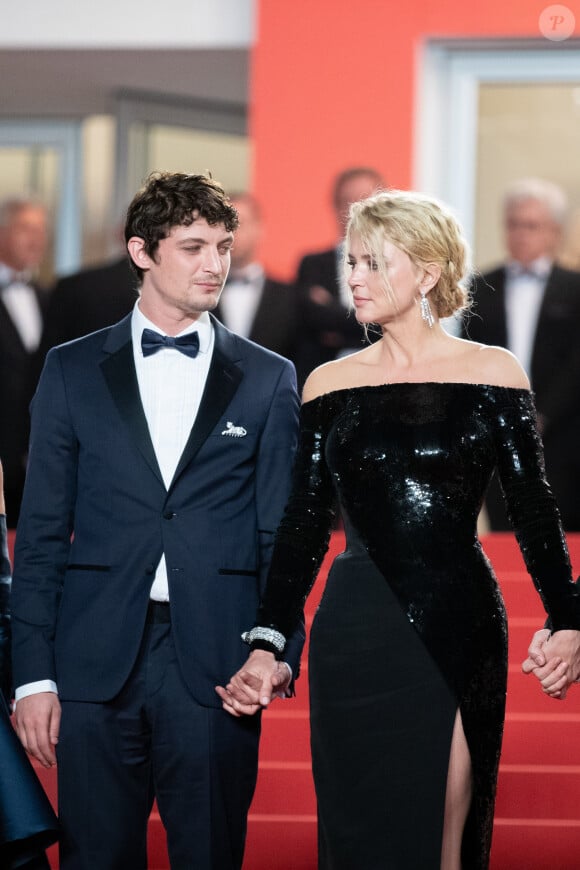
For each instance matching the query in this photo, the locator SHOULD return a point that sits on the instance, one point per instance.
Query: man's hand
(554, 659)
(536, 657)
(37, 721)
(254, 685)
(320, 295)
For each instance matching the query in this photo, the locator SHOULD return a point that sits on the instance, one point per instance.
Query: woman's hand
(554, 659)
(255, 684)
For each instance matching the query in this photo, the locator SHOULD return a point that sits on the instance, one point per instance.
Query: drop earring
(426, 313)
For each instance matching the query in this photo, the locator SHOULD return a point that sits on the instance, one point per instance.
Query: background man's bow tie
(152, 341)
(238, 278)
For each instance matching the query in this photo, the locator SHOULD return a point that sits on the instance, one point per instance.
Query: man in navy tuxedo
(159, 467)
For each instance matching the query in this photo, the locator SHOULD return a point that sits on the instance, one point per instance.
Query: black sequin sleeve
(303, 534)
(532, 508)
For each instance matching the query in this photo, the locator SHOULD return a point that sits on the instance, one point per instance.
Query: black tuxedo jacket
(17, 382)
(275, 324)
(555, 374)
(87, 301)
(325, 329)
(96, 517)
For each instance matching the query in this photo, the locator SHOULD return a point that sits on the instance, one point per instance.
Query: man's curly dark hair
(171, 199)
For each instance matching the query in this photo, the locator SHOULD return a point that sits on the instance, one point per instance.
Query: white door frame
(448, 78)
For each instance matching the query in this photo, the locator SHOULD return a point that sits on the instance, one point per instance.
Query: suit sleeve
(44, 530)
(561, 402)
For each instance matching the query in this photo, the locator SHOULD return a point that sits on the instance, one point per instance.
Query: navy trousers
(154, 741)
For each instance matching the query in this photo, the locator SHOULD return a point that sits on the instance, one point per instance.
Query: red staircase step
(519, 591)
(532, 844)
(281, 843)
(157, 858)
(284, 788)
(285, 734)
(525, 694)
(541, 738)
(538, 791)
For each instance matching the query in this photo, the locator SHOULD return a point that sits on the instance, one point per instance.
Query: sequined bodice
(409, 464)
(425, 453)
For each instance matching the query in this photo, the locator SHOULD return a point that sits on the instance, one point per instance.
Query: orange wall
(333, 84)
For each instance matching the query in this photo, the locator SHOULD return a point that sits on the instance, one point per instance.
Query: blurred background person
(328, 327)
(88, 300)
(23, 244)
(252, 303)
(531, 305)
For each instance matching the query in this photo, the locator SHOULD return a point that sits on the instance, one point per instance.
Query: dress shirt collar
(9, 276)
(203, 327)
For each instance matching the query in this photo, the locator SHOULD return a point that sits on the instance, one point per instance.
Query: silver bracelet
(269, 635)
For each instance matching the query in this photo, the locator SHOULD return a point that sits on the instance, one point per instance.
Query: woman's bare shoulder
(338, 374)
(497, 366)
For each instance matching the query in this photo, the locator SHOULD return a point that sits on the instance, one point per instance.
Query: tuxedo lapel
(119, 371)
(223, 379)
(222, 382)
(495, 312)
(553, 311)
(266, 320)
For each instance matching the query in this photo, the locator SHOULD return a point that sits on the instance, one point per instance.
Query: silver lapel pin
(234, 431)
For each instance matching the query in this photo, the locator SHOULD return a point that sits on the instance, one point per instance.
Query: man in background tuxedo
(159, 467)
(253, 304)
(328, 326)
(88, 300)
(532, 306)
(23, 242)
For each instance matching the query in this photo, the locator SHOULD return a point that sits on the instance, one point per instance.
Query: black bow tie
(152, 341)
(517, 270)
(238, 278)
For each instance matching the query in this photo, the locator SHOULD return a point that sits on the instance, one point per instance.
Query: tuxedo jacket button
(169, 515)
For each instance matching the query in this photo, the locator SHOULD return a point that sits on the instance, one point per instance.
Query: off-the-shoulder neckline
(361, 387)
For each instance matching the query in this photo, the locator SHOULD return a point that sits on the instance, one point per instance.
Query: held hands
(37, 721)
(554, 659)
(255, 684)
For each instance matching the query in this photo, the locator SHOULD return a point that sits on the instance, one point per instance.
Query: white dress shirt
(171, 385)
(22, 305)
(524, 293)
(241, 297)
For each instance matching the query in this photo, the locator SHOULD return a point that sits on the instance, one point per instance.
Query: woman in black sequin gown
(408, 650)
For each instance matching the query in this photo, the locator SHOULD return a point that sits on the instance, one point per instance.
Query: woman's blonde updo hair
(426, 231)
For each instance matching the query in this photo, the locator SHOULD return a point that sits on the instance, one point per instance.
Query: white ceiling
(74, 83)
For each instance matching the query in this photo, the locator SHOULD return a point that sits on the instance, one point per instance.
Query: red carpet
(538, 809)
